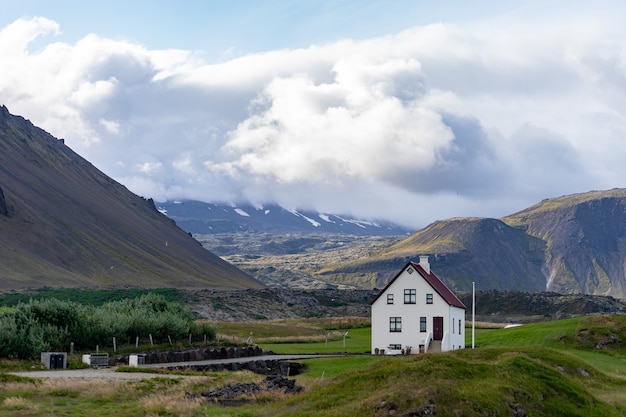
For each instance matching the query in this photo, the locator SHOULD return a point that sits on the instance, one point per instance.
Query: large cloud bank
(433, 122)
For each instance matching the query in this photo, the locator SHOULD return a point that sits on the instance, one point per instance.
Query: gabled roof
(434, 281)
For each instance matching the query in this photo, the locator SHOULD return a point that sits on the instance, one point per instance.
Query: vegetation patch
(606, 333)
(51, 324)
(89, 297)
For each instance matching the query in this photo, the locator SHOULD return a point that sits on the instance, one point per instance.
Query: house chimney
(424, 263)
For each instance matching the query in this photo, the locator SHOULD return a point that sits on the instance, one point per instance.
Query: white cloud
(432, 122)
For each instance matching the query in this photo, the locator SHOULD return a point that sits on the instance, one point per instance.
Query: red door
(437, 328)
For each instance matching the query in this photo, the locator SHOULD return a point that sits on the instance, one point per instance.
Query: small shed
(54, 360)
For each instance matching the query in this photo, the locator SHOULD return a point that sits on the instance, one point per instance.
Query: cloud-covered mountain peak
(209, 218)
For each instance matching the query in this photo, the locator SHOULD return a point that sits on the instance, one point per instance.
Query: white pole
(473, 312)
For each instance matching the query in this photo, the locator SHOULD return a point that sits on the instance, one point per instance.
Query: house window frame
(429, 298)
(389, 298)
(395, 324)
(410, 296)
(423, 325)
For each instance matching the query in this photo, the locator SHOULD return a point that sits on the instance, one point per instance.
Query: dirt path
(103, 374)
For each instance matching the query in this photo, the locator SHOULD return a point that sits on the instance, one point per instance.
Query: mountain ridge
(569, 244)
(198, 217)
(64, 223)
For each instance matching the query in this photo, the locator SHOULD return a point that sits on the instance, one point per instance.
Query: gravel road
(111, 374)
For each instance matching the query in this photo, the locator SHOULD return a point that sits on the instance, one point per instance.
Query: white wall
(455, 339)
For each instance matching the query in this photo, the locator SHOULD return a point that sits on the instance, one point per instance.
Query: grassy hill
(572, 367)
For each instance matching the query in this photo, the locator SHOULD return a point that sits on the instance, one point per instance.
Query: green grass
(321, 368)
(87, 296)
(564, 335)
(357, 341)
(554, 334)
(487, 381)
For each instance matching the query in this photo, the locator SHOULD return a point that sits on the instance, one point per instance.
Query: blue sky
(246, 26)
(411, 111)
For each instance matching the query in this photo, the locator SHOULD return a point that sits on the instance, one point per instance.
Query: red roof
(434, 281)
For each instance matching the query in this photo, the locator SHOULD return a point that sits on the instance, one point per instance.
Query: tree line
(52, 325)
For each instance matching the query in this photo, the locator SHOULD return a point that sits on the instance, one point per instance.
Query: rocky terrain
(295, 260)
(279, 303)
(491, 306)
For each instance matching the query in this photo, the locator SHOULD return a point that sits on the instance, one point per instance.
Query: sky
(409, 111)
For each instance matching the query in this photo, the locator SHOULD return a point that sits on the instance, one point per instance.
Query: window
(395, 324)
(459, 326)
(389, 298)
(409, 296)
(394, 347)
(423, 324)
(429, 298)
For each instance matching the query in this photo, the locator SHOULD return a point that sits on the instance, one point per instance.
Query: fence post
(114, 345)
(137, 341)
(151, 344)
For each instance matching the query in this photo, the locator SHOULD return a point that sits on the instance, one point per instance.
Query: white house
(417, 312)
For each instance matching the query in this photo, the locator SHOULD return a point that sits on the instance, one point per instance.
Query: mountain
(63, 223)
(215, 218)
(570, 244)
(585, 237)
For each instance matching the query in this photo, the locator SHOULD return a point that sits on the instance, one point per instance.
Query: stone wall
(191, 355)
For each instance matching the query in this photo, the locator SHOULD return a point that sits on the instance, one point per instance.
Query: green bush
(52, 324)
(201, 329)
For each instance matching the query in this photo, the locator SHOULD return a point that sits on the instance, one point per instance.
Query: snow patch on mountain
(326, 218)
(308, 219)
(241, 212)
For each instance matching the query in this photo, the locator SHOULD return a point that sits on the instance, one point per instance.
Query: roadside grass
(322, 368)
(287, 328)
(357, 341)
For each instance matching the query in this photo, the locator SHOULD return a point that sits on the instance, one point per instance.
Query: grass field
(560, 368)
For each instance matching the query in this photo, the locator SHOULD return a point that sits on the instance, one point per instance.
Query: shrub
(41, 325)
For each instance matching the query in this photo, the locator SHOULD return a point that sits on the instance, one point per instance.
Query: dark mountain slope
(586, 240)
(463, 249)
(64, 223)
(466, 248)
